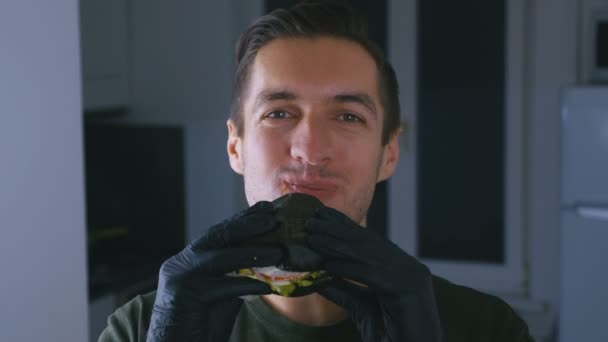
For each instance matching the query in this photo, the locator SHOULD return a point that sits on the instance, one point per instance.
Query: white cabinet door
(584, 300)
(585, 145)
(104, 46)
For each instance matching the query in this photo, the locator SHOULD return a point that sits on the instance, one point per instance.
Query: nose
(311, 143)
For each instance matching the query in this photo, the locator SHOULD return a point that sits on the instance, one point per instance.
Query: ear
(390, 157)
(234, 147)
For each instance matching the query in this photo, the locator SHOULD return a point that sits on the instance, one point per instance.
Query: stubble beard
(354, 207)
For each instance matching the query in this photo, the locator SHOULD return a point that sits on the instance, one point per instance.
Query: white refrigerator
(584, 215)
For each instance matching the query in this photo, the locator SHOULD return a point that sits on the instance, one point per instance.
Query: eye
(277, 115)
(350, 117)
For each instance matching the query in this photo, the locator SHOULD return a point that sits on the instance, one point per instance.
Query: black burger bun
(292, 211)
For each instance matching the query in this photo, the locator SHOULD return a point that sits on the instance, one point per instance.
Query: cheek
(262, 157)
(363, 158)
(360, 162)
(265, 151)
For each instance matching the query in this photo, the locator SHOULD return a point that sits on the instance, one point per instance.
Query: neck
(312, 310)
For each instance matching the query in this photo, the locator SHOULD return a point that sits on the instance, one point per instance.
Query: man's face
(312, 123)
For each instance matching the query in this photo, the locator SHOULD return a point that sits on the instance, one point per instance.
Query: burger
(299, 273)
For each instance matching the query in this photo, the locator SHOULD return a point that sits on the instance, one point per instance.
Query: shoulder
(470, 315)
(130, 322)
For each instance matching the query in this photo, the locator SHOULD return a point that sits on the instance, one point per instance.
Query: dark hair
(315, 18)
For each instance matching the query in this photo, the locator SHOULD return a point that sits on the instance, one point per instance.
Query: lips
(312, 186)
(320, 188)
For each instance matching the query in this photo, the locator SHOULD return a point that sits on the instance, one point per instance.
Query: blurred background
(112, 151)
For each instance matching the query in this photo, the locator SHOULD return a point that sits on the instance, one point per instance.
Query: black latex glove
(391, 298)
(195, 299)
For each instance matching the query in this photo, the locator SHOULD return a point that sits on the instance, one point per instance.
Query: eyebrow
(358, 98)
(271, 95)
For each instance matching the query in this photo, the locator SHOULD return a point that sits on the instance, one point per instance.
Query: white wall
(552, 60)
(180, 74)
(42, 243)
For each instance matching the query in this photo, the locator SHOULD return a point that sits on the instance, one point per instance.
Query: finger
(260, 207)
(202, 288)
(335, 248)
(338, 228)
(221, 261)
(348, 295)
(255, 220)
(248, 227)
(365, 274)
(333, 214)
(332, 222)
(237, 286)
(356, 241)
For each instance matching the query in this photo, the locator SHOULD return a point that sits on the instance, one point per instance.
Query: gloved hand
(388, 293)
(195, 299)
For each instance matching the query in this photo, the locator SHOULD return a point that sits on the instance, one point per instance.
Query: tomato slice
(276, 278)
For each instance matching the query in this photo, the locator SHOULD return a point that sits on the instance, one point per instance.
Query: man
(315, 111)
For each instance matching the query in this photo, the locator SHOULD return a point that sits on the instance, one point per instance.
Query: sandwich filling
(281, 282)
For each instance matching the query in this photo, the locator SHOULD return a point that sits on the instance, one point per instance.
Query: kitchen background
(83, 179)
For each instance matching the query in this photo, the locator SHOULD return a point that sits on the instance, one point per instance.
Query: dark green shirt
(466, 315)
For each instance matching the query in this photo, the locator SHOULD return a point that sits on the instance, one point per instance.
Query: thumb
(351, 297)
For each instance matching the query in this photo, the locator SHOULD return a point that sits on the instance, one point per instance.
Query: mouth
(320, 189)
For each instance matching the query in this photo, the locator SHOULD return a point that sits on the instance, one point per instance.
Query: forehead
(312, 67)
